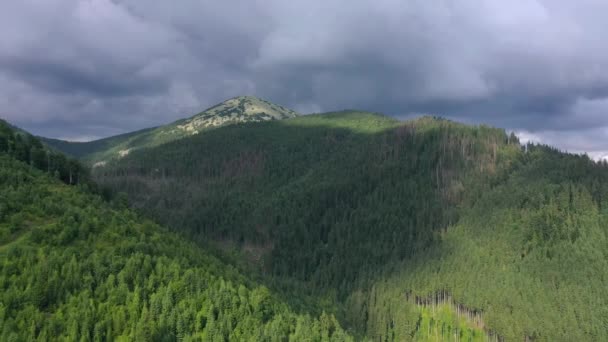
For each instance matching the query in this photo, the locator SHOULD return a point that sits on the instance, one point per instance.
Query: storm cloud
(82, 69)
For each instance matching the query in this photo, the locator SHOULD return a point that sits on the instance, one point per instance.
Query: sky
(86, 69)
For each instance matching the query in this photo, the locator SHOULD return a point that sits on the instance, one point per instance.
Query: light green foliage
(75, 268)
(442, 324)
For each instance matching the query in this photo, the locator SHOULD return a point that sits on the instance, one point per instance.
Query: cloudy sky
(83, 69)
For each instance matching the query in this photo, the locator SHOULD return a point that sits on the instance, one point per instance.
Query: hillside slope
(82, 149)
(370, 212)
(235, 110)
(73, 267)
(24, 147)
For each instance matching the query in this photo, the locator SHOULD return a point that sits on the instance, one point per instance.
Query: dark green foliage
(315, 188)
(73, 268)
(359, 209)
(529, 252)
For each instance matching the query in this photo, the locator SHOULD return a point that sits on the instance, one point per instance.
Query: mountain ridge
(240, 109)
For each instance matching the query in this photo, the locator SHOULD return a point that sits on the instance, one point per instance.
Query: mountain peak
(250, 106)
(235, 110)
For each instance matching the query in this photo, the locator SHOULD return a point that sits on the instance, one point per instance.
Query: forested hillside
(24, 147)
(530, 253)
(310, 191)
(76, 268)
(368, 212)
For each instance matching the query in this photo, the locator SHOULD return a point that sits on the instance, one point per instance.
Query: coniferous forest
(326, 227)
(75, 267)
(358, 209)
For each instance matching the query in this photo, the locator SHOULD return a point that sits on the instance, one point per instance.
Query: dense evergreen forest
(74, 267)
(28, 149)
(315, 189)
(358, 210)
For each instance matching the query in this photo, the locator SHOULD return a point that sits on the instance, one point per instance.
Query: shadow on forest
(318, 205)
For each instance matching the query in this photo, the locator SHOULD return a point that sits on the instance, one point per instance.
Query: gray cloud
(90, 68)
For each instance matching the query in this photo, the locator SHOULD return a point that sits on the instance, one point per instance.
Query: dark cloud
(90, 68)
(97, 80)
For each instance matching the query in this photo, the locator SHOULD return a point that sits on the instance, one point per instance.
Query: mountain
(419, 230)
(240, 109)
(236, 110)
(76, 267)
